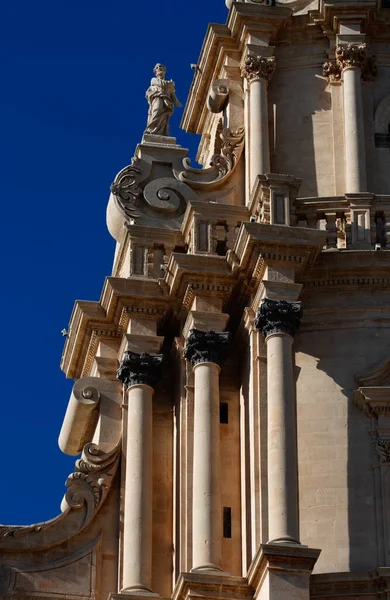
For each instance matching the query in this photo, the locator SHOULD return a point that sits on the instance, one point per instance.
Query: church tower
(231, 402)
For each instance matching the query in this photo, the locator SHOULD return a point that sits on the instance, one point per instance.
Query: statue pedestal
(282, 572)
(158, 140)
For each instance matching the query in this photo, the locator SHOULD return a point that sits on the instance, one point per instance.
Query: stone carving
(258, 67)
(162, 99)
(382, 448)
(206, 346)
(218, 95)
(168, 196)
(278, 316)
(332, 70)
(126, 188)
(222, 165)
(88, 487)
(141, 368)
(351, 56)
(165, 196)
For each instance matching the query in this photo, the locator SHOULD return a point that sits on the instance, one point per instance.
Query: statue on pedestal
(162, 99)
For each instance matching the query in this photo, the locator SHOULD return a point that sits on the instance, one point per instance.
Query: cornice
(92, 321)
(258, 243)
(350, 269)
(196, 269)
(244, 19)
(217, 35)
(212, 211)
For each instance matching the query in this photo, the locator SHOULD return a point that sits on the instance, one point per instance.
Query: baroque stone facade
(231, 402)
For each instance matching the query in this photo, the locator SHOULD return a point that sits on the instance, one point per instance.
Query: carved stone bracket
(278, 316)
(142, 368)
(351, 56)
(221, 165)
(88, 487)
(126, 187)
(206, 346)
(258, 67)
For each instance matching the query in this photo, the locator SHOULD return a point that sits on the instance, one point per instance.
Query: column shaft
(355, 153)
(282, 440)
(207, 517)
(259, 136)
(137, 533)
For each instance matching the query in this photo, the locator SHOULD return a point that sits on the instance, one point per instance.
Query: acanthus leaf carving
(258, 67)
(351, 56)
(331, 69)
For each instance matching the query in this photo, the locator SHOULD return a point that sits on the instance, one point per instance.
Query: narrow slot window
(223, 412)
(227, 522)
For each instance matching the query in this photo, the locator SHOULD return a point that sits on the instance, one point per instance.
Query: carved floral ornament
(350, 56)
(258, 67)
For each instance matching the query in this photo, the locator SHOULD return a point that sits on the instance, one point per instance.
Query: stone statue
(162, 99)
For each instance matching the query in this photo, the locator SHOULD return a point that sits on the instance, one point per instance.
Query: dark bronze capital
(206, 346)
(140, 368)
(278, 316)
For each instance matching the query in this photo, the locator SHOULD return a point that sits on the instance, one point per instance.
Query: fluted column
(278, 321)
(351, 59)
(206, 351)
(139, 373)
(258, 71)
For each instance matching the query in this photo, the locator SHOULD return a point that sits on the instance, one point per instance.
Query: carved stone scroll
(222, 165)
(218, 95)
(88, 487)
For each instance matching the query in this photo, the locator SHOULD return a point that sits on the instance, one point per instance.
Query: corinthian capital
(278, 316)
(258, 67)
(351, 56)
(140, 368)
(206, 346)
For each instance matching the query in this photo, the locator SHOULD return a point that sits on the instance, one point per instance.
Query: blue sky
(72, 110)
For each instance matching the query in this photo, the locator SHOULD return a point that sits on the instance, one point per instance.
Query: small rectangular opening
(223, 412)
(227, 522)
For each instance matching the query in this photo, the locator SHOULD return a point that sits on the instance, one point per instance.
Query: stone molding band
(278, 316)
(258, 67)
(206, 346)
(136, 369)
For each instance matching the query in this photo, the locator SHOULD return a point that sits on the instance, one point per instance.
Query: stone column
(278, 321)
(139, 373)
(351, 59)
(258, 71)
(206, 351)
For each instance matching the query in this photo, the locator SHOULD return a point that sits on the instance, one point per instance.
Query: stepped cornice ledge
(108, 318)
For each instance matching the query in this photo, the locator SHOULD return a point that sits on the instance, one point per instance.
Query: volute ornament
(278, 316)
(258, 67)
